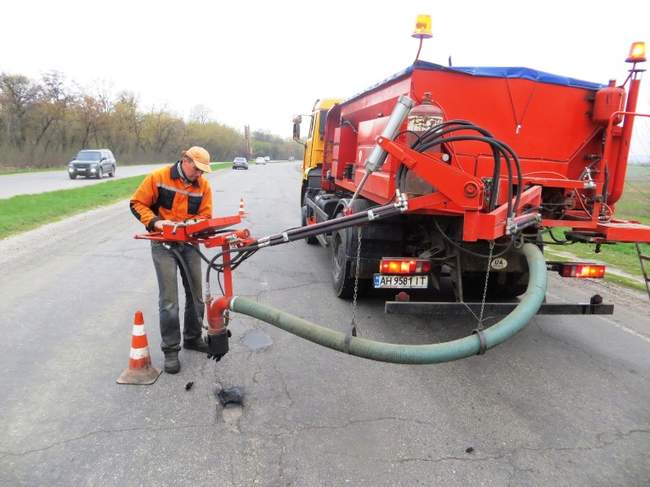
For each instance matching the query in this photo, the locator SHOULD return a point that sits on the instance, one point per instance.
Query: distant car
(267, 158)
(260, 160)
(92, 163)
(240, 163)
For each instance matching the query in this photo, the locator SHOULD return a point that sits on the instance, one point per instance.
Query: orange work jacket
(165, 195)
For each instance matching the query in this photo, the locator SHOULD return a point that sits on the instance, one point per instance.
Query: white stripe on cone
(138, 330)
(138, 353)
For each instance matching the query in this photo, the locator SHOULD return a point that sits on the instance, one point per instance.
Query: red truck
(485, 159)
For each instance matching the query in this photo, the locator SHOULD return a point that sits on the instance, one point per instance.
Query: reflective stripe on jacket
(163, 195)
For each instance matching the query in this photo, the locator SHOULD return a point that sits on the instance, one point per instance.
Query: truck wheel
(341, 265)
(305, 212)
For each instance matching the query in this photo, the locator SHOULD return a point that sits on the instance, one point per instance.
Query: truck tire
(342, 245)
(341, 265)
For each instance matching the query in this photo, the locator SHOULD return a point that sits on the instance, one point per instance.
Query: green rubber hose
(412, 354)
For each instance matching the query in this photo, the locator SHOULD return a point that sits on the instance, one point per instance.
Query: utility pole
(247, 141)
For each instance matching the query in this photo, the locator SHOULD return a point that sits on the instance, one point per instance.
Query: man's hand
(159, 224)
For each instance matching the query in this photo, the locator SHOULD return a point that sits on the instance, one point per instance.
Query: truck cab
(314, 144)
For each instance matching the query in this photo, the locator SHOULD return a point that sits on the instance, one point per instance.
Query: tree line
(44, 122)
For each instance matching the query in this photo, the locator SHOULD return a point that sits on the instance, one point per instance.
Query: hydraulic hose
(185, 274)
(298, 233)
(413, 354)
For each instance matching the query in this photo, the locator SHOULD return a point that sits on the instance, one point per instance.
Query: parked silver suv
(92, 163)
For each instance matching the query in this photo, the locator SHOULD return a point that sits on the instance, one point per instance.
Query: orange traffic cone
(242, 211)
(139, 370)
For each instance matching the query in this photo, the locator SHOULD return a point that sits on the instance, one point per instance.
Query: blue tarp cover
(492, 72)
(515, 72)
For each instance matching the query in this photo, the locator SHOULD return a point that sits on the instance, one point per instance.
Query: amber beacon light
(637, 53)
(422, 27)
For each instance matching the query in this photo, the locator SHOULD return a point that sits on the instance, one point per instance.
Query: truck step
(446, 309)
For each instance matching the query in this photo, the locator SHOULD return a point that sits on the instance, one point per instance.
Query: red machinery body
(572, 138)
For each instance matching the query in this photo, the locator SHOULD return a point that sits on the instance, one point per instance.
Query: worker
(167, 196)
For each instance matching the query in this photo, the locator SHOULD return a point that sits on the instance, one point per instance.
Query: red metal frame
(458, 193)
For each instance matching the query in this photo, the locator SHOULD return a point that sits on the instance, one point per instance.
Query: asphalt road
(39, 182)
(565, 402)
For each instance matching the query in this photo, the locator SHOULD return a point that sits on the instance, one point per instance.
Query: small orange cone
(139, 370)
(242, 211)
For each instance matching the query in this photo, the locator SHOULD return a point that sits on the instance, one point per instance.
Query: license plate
(81, 169)
(383, 281)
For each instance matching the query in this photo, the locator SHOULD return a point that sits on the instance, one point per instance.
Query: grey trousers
(167, 273)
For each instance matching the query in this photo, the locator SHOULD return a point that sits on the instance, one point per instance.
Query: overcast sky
(260, 62)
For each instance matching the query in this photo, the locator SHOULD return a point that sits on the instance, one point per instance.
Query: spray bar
(333, 224)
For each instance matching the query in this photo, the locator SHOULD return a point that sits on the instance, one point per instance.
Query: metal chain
(356, 283)
(485, 287)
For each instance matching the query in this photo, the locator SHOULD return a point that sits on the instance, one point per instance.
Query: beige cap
(200, 157)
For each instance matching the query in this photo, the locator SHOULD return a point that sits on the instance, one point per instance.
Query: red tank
(608, 100)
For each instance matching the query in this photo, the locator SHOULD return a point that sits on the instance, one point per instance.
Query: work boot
(197, 344)
(172, 364)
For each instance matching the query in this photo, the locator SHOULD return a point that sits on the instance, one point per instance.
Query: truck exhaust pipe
(474, 344)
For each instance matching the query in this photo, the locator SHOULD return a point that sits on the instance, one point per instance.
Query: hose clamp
(482, 348)
(371, 215)
(352, 332)
(285, 237)
(402, 201)
(263, 242)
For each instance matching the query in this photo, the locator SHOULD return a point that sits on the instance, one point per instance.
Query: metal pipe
(378, 154)
(401, 110)
(620, 168)
(413, 354)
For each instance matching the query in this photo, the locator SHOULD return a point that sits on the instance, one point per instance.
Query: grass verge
(5, 170)
(623, 256)
(26, 212)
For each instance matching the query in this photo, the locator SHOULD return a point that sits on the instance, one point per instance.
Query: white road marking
(612, 322)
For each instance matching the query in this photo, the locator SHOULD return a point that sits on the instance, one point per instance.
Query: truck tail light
(573, 269)
(404, 265)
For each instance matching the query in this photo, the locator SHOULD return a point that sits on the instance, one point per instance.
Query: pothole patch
(256, 340)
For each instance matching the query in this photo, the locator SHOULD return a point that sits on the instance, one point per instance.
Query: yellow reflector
(422, 27)
(637, 53)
